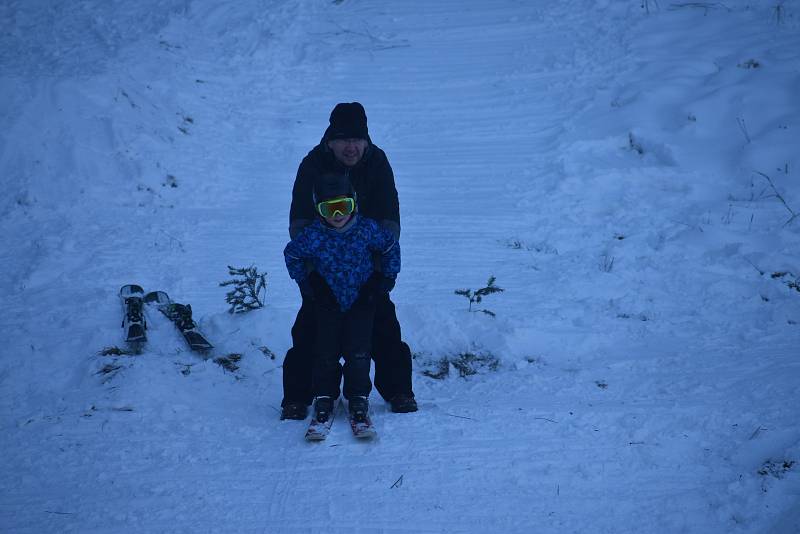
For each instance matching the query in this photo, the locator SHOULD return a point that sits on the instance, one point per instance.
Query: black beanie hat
(348, 121)
(331, 185)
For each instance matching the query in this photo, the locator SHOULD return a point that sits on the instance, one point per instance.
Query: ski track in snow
(597, 160)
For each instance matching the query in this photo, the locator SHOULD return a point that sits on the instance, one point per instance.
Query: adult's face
(348, 151)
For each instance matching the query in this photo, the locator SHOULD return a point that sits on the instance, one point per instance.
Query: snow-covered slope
(626, 169)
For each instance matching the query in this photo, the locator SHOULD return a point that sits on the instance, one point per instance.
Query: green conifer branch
(477, 296)
(246, 294)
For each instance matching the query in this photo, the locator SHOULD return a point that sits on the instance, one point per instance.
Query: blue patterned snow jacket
(343, 257)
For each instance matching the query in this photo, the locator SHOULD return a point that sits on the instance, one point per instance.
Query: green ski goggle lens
(337, 206)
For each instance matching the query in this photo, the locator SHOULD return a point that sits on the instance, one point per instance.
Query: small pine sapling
(776, 194)
(477, 296)
(248, 292)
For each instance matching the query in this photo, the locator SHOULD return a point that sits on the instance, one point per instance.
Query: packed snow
(627, 170)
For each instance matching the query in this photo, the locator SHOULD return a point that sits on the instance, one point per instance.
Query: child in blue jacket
(340, 246)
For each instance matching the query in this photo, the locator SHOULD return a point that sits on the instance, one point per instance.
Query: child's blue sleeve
(384, 241)
(295, 254)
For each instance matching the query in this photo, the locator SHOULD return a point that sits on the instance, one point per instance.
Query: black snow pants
(342, 334)
(391, 355)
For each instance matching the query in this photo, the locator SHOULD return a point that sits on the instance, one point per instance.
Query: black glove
(385, 285)
(306, 289)
(322, 291)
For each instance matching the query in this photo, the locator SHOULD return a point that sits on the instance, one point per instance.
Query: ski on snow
(181, 316)
(133, 299)
(133, 322)
(361, 427)
(319, 430)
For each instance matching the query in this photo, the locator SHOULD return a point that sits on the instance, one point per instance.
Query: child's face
(338, 221)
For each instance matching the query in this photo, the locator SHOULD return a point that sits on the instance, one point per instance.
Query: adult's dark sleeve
(301, 214)
(387, 196)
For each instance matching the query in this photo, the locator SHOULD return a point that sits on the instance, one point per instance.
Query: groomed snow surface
(626, 169)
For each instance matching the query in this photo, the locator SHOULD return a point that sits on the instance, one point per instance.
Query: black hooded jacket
(372, 179)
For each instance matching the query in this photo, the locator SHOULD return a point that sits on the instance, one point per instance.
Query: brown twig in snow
(779, 197)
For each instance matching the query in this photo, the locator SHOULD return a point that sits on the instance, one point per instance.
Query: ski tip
(197, 342)
(317, 431)
(129, 290)
(157, 297)
(365, 434)
(363, 430)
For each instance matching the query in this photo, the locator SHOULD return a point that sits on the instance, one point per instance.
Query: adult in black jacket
(346, 147)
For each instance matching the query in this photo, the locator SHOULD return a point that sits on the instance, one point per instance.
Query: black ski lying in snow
(181, 316)
(133, 321)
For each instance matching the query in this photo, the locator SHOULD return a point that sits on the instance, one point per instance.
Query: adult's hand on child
(323, 294)
(306, 289)
(385, 285)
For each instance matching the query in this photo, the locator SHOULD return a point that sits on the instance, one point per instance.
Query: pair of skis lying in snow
(362, 428)
(134, 300)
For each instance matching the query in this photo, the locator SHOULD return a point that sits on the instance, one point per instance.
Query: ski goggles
(336, 206)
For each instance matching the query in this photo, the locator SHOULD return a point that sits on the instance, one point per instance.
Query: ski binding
(181, 316)
(133, 321)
